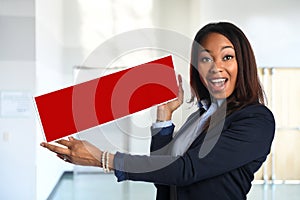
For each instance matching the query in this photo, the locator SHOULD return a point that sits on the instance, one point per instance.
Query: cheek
(234, 74)
(203, 81)
(202, 74)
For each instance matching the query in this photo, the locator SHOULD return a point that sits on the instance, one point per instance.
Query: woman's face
(217, 65)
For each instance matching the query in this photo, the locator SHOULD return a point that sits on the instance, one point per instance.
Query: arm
(245, 139)
(162, 136)
(83, 153)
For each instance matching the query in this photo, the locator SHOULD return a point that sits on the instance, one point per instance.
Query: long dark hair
(248, 89)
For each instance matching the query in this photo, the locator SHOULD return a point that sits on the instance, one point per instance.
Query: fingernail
(42, 144)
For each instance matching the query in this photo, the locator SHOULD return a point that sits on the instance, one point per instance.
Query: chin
(219, 95)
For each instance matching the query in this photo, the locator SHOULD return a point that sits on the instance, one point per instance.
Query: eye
(227, 57)
(205, 59)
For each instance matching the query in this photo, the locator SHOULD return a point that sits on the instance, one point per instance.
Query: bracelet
(105, 162)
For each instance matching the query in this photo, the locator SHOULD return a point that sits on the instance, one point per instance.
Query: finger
(56, 149)
(179, 80)
(60, 156)
(71, 138)
(66, 143)
(180, 91)
(180, 83)
(64, 158)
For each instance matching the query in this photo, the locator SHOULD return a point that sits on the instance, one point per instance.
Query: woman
(216, 153)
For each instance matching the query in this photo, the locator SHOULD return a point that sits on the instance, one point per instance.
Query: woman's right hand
(164, 112)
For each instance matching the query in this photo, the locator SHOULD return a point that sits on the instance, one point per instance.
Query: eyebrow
(204, 50)
(225, 47)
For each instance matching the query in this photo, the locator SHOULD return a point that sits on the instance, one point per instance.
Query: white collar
(204, 103)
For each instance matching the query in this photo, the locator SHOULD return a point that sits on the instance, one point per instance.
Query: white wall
(17, 78)
(68, 31)
(50, 71)
(177, 15)
(272, 26)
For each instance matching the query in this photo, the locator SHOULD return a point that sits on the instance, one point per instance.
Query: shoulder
(252, 117)
(255, 110)
(253, 123)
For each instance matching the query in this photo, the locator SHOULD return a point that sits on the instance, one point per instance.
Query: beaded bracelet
(103, 161)
(107, 162)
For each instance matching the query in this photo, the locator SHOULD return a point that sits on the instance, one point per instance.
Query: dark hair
(248, 89)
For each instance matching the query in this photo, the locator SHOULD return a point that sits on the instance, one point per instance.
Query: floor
(94, 186)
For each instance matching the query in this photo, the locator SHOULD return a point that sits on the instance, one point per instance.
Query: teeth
(218, 80)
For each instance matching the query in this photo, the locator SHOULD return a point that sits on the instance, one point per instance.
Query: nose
(216, 67)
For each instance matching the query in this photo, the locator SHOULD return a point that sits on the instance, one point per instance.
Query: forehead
(215, 41)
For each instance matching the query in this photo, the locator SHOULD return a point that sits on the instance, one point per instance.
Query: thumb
(180, 89)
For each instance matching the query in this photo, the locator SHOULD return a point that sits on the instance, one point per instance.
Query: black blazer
(226, 172)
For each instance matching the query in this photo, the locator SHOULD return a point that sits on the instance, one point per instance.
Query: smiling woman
(235, 49)
(215, 154)
(218, 66)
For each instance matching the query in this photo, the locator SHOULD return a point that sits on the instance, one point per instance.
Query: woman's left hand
(76, 151)
(164, 111)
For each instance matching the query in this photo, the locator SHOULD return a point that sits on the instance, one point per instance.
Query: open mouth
(217, 84)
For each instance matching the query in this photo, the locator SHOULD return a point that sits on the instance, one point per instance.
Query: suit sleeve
(160, 138)
(246, 138)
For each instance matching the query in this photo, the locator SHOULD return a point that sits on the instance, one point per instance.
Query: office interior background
(44, 43)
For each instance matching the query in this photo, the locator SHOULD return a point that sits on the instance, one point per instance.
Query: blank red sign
(92, 103)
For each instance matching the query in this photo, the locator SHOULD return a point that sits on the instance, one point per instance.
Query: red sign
(92, 103)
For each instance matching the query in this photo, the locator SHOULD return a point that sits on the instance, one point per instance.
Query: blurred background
(45, 44)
